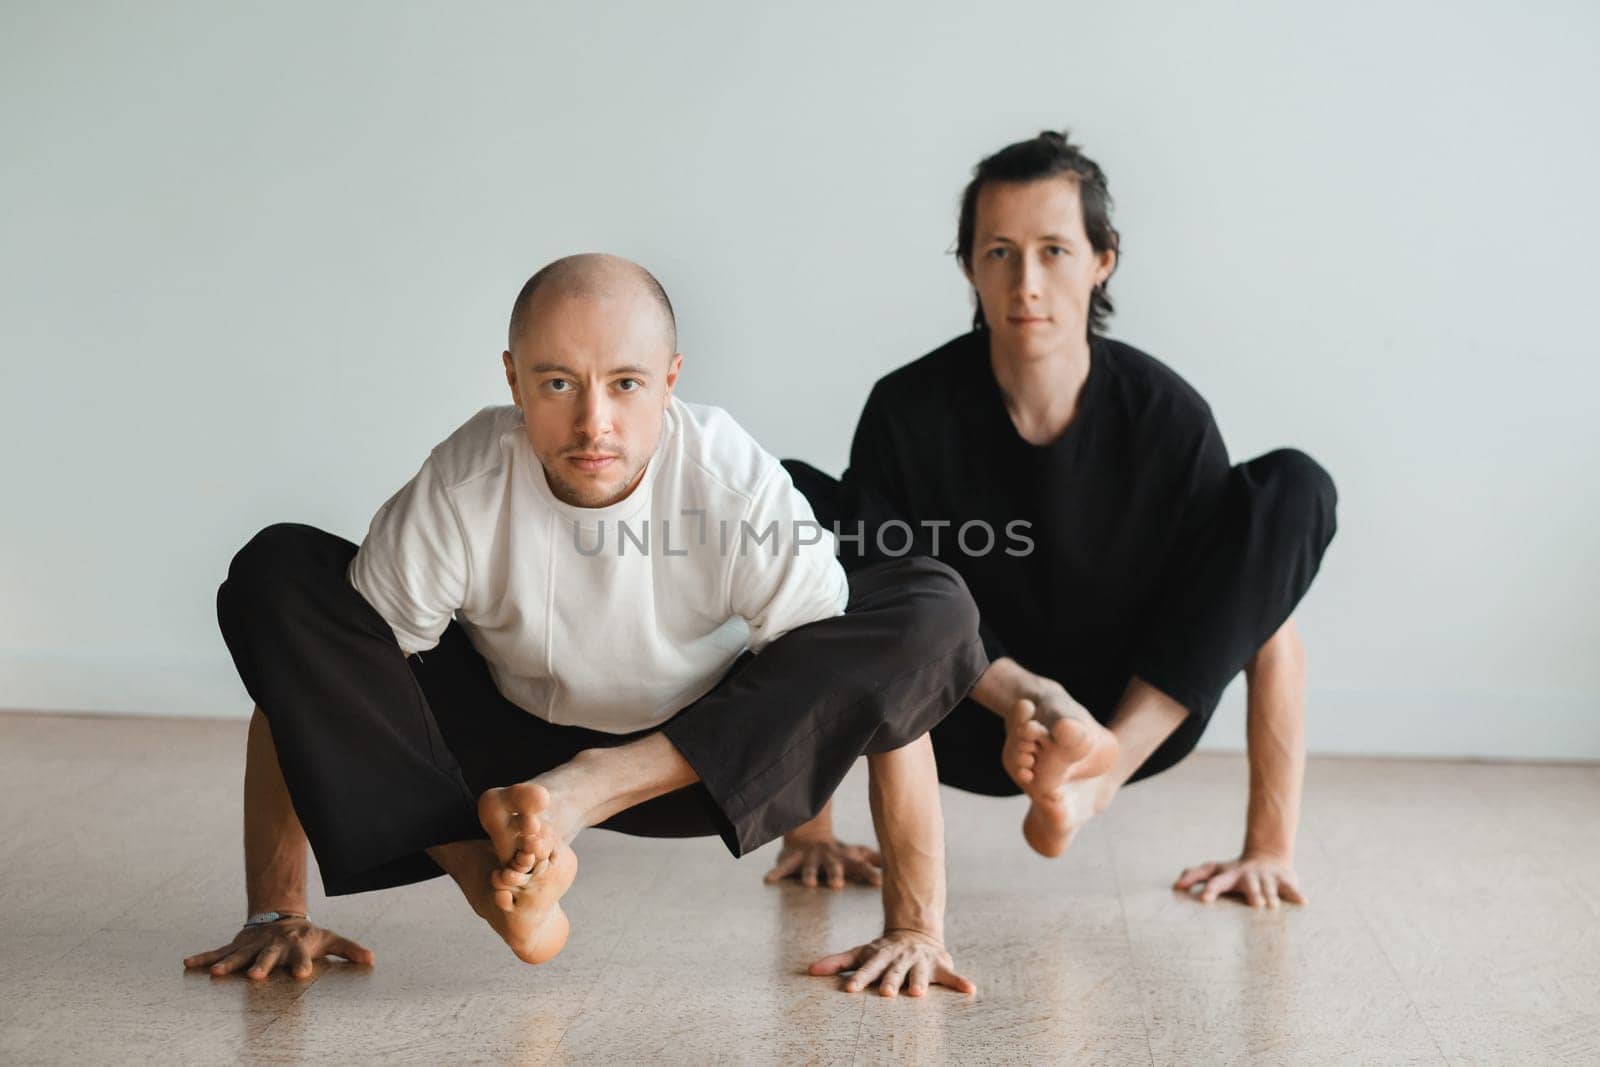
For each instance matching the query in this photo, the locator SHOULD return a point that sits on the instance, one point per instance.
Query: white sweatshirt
(612, 618)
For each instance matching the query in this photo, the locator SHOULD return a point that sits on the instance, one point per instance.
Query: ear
(511, 377)
(1107, 263)
(673, 368)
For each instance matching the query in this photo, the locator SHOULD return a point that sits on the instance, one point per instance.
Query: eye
(558, 385)
(998, 252)
(630, 385)
(1055, 250)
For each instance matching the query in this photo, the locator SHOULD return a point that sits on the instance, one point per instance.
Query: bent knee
(261, 573)
(1303, 478)
(940, 611)
(267, 553)
(1297, 488)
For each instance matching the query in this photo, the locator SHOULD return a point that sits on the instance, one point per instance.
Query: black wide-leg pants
(1225, 595)
(385, 755)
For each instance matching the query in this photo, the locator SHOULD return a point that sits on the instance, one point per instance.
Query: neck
(1041, 391)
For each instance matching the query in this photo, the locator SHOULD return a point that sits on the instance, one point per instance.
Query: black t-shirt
(1109, 505)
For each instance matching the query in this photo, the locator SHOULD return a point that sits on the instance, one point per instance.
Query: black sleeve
(1203, 483)
(875, 483)
(1199, 473)
(878, 488)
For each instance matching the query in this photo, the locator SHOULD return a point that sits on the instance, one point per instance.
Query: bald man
(596, 606)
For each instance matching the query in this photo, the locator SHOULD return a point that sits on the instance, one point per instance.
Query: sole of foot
(1042, 760)
(514, 817)
(1057, 767)
(529, 918)
(1052, 822)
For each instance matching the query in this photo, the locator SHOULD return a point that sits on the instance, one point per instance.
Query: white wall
(254, 262)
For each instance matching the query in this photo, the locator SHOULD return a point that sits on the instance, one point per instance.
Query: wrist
(287, 903)
(1269, 829)
(272, 916)
(818, 831)
(917, 932)
(1265, 847)
(907, 917)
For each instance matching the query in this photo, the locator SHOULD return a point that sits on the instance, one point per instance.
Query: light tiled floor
(1454, 918)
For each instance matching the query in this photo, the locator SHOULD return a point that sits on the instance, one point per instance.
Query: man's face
(1033, 266)
(593, 376)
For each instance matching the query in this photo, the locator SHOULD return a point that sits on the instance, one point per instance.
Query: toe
(505, 878)
(1021, 712)
(492, 809)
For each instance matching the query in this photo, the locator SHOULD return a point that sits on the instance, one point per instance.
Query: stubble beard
(589, 494)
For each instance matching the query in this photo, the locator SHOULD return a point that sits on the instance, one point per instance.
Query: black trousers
(1233, 588)
(385, 755)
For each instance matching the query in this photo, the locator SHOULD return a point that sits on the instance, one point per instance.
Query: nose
(594, 415)
(1025, 277)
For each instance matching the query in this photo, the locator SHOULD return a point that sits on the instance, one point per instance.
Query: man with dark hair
(1155, 571)
(597, 606)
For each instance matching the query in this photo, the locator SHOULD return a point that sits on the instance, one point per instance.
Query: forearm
(1275, 725)
(1275, 741)
(274, 841)
(910, 824)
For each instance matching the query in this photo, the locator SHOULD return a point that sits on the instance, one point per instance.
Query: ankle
(615, 779)
(586, 787)
(600, 783)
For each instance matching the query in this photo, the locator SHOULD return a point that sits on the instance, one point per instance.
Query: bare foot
(517, 819)
(1052, 822)
(527, 913)
(1052, 741)
(1058, 754)
(530, 920)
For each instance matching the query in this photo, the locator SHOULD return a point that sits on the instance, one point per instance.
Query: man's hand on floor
(293, 944)
(899, 957)
(807, 858)
(1260, 879)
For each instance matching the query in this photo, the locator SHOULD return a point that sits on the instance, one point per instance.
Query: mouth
(590, 462)
(1027, 320)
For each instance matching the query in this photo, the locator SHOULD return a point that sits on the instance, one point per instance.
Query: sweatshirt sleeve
(412, 565)
(783, 572)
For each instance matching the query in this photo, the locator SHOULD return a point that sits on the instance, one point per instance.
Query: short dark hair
(1049, 155)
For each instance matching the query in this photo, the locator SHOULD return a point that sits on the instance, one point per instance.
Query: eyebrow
(634, 369)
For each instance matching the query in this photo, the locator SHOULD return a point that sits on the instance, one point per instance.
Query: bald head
(591, 364)
(591, 276)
